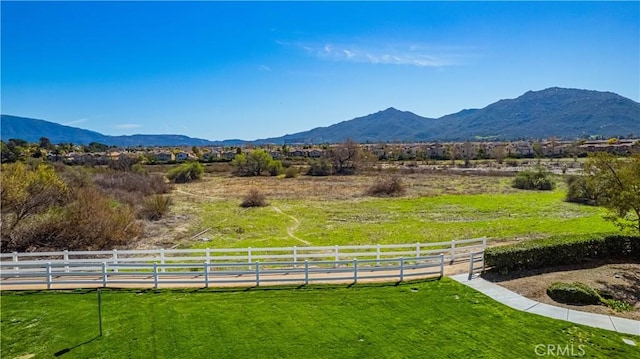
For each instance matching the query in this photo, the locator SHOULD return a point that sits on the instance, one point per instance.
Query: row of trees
(344, 159)
(16, 149)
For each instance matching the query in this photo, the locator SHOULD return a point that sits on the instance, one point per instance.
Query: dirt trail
(291, 230)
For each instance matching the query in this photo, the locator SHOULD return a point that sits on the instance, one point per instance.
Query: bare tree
(345, 158)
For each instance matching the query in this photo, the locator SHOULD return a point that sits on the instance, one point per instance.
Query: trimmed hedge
(580, 293)
(564, 250)
(573, 293)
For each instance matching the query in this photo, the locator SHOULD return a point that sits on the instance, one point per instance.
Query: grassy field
(437, 318)
(334, 210)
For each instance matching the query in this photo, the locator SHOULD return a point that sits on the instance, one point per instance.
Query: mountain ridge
(552, 112)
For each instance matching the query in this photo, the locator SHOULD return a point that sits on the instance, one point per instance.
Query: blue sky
(249, 70)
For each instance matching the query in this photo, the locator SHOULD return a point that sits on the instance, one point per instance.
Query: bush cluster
(580, 293)
(562, 250)
(130, 187)
(320, 167)
(534, 180)
(76, 208)
(387, 187)
(154, 207)
(89, 222)
(254, 198)
(186, 172)
(291, 172)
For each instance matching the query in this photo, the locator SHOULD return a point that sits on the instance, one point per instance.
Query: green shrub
(560, 250)
(534, 180)
(254, 198)
(573, 293)
(275, 168)
(186, 172)
(320, 167)
(155, 206)
(580, 293)
(617, 305)
(255, 163)
(291, 172)
(387, 186)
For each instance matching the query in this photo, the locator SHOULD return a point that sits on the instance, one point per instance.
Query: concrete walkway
(516, 301)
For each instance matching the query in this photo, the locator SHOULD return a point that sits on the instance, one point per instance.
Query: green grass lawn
(436, 319)
(366, 220)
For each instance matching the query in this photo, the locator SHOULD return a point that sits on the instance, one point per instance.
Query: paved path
(516, 301)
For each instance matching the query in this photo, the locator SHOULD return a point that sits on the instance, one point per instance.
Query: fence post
(249, 257)
(155, 275)
(104, 274)
(484, 243)
(66, 261)
(336, 255)
(306, 272)
(442, 264)
(295, 256)
(208, 252)
(115, 259)
(15, 259)
(401, 269)
(453, 250)
(162, 259)
(355, 270)
(206, 274)
(417, 250)
(257, 273)
(378, 254)
(49, 277)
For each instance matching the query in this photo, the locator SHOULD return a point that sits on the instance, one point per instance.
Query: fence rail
(228, 266)
(205, 274)
(453, 251)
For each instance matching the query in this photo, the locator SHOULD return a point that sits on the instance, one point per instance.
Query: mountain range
(560, 112)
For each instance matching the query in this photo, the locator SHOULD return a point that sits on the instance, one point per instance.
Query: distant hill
(32, 130)
(563, 113)
(387, 125)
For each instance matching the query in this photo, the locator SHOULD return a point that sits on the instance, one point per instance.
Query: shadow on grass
(66, 350)
(268, 288)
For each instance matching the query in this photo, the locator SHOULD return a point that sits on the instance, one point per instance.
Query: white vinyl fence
(227, 266)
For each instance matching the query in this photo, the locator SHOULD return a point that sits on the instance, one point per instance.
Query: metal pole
(100, 310)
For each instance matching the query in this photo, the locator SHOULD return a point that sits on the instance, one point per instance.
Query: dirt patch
(620, 279)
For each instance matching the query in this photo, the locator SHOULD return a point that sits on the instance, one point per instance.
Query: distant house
(316, 153)
(164, 156)
(229, 155)
(211, 155)
(298, 153)
(183, 156)
(275, 154)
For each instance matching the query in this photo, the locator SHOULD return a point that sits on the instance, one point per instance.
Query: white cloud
(264, 68)
(127, 126)
(75, 122)
(395, 54)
